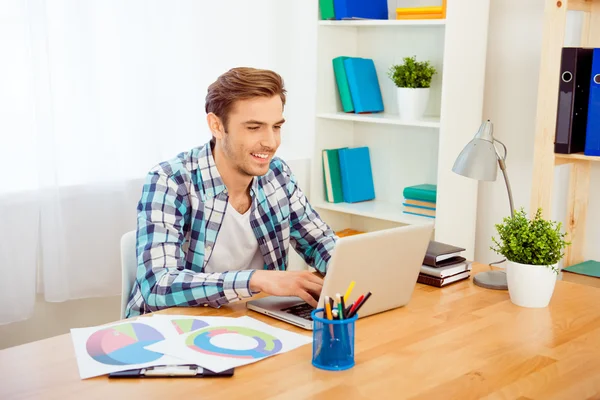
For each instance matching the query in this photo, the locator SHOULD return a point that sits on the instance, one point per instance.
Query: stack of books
(358, 85)
(347, 175)
(420, 200)
(425, 12)
(443, 264)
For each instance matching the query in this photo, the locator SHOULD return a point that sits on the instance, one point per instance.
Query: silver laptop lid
(385, 263)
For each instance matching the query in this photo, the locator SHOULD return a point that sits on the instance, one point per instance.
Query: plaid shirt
(179, 217)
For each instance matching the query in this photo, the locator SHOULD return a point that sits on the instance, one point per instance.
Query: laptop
(385, 263)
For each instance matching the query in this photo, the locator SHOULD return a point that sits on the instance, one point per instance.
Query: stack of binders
(353, 9)
(358, 85)
(578, 112)
(347, 175)
(443, 264)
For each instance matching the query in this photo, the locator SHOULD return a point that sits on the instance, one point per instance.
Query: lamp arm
(502, 164)
(510, 196)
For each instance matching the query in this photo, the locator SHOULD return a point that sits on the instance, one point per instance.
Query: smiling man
(215, 223)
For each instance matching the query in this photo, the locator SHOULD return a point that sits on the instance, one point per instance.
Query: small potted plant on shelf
(413, 81)
(533, 249)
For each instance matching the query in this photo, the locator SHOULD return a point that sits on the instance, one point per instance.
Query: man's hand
(303, 284)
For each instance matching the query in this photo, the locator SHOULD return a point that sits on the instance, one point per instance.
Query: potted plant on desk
(533, 249)
(413, 81)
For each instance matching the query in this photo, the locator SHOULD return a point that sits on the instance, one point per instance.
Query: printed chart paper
(230, 343)
(118, 347)
(182, 324)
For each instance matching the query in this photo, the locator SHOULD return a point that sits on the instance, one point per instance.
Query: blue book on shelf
(357, 177)
(364, 85)
(592, 135)
(360, 9)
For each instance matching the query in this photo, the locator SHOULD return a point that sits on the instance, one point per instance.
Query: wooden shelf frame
(544, 160)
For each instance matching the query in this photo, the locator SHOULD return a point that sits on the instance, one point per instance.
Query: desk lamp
(478, 161)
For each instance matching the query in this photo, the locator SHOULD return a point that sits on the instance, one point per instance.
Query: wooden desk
(461, 341)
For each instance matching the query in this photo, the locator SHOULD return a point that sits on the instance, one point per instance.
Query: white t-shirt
(236, 247)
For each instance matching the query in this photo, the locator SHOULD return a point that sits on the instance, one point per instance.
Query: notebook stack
(423, 12)
(420, 200)
(347, 175)
(358, 85)
(443, 264)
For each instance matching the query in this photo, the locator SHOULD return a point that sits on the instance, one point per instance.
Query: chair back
(128, 268)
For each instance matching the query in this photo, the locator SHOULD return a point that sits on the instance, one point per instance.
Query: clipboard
(171, 371)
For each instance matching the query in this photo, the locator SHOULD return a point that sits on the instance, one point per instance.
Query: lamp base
(491, 280)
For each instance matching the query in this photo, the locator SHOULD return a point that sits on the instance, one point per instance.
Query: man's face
(253, 134)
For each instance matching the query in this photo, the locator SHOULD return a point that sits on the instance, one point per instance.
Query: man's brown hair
(241, 83)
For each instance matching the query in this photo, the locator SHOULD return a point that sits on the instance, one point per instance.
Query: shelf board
(579, 5)
(576, 156)
(382, 118)
(376, 209)
(385, 22)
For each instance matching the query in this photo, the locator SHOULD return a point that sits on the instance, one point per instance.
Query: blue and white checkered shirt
(179, 217)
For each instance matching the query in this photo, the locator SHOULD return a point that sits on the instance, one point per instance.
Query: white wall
(514, 48)
(195, 41)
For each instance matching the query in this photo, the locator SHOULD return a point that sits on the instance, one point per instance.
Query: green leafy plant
(412, 73)
(530, 241)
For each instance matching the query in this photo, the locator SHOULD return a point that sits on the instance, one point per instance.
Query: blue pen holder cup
(333, 342)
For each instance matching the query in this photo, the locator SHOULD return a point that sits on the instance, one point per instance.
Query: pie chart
(124, 344)
(188, 325)
(265, 344)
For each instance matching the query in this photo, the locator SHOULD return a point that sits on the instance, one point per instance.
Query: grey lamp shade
(478, 160)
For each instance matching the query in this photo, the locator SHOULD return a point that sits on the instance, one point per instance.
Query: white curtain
(92, 95)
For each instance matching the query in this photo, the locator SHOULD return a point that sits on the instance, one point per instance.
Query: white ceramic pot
(412, 102)
(530, 285)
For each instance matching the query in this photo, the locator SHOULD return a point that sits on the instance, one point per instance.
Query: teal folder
(327, 10)
(332, 178)
(589, 268)
(364, 85)
(341, 80)
(357, 177)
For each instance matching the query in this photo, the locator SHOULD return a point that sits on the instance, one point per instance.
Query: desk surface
(461, 341)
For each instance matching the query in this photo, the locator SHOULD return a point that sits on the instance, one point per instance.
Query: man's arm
(163, 280)
(312, 238)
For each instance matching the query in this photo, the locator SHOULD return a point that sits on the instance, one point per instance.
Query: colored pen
(329, 312)
(360, 305)
(328, 308)
(340, 306)
(356, 303)
(331, 302)
(347, 310)
(348, 291)
(343, 303)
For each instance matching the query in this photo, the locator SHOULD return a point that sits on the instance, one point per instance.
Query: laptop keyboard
(301, 310)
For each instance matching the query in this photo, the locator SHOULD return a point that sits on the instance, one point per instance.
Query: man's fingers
(313, 288)
(304, 295)
(314, 279)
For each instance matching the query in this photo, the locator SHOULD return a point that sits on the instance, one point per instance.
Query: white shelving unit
(391, 22)
(405, 153)
(382, 118)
